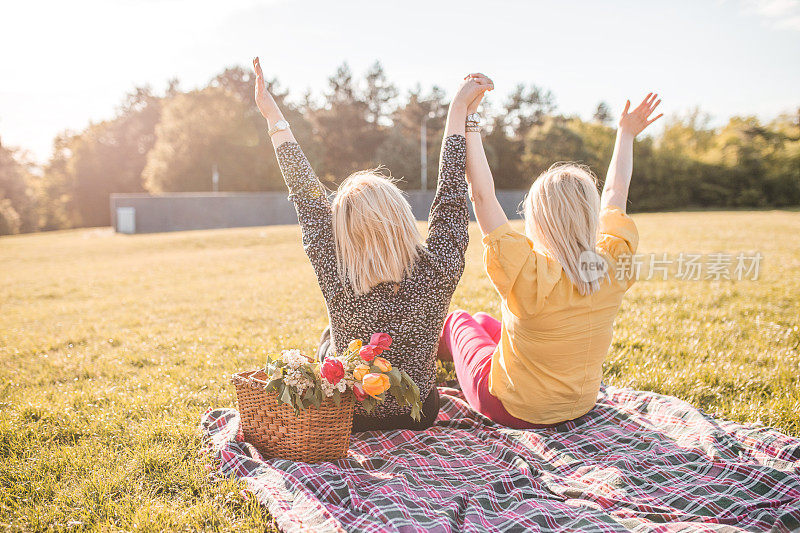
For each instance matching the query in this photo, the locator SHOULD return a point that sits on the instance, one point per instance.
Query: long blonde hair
(376, 235)
(561, 213)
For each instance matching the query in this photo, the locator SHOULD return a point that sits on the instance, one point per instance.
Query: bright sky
(66, 63)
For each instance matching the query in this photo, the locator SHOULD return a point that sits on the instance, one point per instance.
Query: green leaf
(337, 397)
(286, 397)
(410, 397)
(274, 384)
(298, 404)
(397, 392)
(395, 379)
(369, 404)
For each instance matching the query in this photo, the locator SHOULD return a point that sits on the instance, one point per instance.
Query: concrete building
(153, 213)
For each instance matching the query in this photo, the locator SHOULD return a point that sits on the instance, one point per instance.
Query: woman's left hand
(471, 91)
(264, 100)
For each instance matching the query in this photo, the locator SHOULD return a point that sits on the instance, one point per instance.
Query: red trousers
(471, 341)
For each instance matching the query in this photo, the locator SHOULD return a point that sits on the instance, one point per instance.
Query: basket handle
(249, 377)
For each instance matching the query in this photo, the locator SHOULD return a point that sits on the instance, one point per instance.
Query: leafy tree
(109, 157)
(400, 150)
(17, 201)
(527, 107)
(198, 130)
(602, 114)
(170, 142)
(9, 218)
(55, 189)
(553, 141)
(343, 127)
(379, 94)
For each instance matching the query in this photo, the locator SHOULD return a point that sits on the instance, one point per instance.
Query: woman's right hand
(485, 82)
(264, 100)
(471, 91)
(636, 121)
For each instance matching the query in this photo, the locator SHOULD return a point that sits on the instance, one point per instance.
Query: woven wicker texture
(316, 434)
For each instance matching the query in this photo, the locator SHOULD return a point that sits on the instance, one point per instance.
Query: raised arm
(305, 190)
(448, 222)
(488, 211)
(618, 179)
(269, 109)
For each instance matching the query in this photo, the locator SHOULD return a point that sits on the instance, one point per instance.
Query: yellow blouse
(548, 365)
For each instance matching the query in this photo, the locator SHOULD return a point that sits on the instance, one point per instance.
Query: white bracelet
(281, 125)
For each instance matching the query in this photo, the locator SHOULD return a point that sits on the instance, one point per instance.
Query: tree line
(173, 141)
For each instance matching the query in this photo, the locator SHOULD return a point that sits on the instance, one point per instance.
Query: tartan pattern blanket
(639, 461)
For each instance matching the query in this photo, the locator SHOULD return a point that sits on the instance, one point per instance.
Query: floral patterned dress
(413, 311)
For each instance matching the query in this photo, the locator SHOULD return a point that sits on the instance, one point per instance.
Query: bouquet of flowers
(301, 381)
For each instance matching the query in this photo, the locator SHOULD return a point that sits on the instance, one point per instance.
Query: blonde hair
(561, 213)
(376, 235)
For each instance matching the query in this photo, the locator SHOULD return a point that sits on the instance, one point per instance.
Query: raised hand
(638, 119)
(620, 170)
(264, 100)
(471, 91)
(486, 83)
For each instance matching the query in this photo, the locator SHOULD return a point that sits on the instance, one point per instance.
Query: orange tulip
(355, 345)
(382, 364)
(374, 384)
(360, 371)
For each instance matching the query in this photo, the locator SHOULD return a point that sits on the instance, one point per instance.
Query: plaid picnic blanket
(638, 461)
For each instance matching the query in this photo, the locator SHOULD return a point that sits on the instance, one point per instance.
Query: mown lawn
(112, 346)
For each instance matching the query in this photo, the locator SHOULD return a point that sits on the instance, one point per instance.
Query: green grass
(112, 346)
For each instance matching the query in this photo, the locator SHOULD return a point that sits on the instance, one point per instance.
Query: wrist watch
(473, 122)
(281, 125)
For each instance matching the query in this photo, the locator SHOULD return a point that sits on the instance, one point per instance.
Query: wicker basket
(317, 434)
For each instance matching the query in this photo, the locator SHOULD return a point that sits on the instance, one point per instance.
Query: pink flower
(332, 370)
(377, 344)
(359, 391)
(369, 352)
(381, 340)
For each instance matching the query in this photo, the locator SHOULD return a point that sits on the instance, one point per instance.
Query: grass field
(112, 346)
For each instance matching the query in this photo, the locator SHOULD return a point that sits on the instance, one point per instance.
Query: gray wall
(205, 210)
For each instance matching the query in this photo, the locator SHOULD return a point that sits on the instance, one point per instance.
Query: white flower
(297, 379)
(327, 387)
(293, 358)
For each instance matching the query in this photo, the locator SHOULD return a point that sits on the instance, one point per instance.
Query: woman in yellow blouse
(542, 364)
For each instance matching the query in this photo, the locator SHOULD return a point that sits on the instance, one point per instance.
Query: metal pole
(423, 153)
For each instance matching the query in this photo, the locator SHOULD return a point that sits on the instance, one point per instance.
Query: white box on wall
(126, 220)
